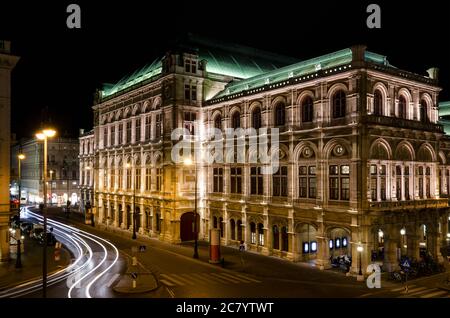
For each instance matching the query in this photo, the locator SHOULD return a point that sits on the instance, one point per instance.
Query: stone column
(226, 226)
(323, 252)
(391, 239)
(412, 242)
(143, 220)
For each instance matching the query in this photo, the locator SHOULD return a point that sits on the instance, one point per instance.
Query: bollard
(214, 246)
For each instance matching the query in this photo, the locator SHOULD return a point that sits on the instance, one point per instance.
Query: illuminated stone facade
(361, 156)
(7, 63)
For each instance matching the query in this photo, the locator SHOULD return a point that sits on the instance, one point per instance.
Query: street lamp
(128, 166)
(21, 157)
(44, 135)
(189, 162)
(360, 250)
(51, 186)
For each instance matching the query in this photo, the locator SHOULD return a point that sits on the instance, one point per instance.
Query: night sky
(60, 68)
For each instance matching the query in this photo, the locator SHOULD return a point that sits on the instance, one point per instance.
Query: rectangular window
(187, 92)
(256, 181)
(120, 181)
(218, 180)
(128, 185)
(302, 187)
(128, 132)
(113, 135)
(112, 178)
(159, 179)
(148, 121)
(105, 136)
(236, 180)
(189, 121)
(307, 182)
(190, 92)
(137, 179)
(148, 179)
(187, 66)
(373, 189)
(137, 136)
(339, 182)
(383, 188)
(279, 182)
(158, 125)
(121, 133)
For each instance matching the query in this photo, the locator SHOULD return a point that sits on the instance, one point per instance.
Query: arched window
(233, 229)
(252, 233)
(221, 226)
(339, 104)
(307, 109)
(256, 118)
(236, 120)
(260, 234)
(284, 239)
(424, 112)
(218, 122)
(402, 107)
(276, 238)
(280, 115)
(377, 103)
(239, 230)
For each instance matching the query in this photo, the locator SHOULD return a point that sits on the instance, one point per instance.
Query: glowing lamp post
(360, 249)
(44, 135)
(128, 166)
(189, 162)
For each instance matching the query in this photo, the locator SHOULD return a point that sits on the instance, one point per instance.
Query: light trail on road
(83, 272)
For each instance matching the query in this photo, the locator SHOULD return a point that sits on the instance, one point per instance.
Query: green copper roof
(227, 59)
(138, 76)
(444, 108)
(324, 62)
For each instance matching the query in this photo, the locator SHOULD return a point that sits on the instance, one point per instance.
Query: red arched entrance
(187, 226)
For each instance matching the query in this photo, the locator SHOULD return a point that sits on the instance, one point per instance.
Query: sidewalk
(31, 264)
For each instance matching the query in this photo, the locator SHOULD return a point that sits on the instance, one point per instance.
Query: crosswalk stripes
(172, 280)
(415, 291)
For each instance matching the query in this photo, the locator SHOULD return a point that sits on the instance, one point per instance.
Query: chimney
(433, 73)
(358, 54)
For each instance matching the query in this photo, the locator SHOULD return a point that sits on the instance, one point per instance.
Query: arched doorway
(112, 213)
(148, 220)
(187, 229)
(137, 218)
(233, 229)
(239, 230)
(129, 217)
(120, 215)
(338, 242)
(307, 246)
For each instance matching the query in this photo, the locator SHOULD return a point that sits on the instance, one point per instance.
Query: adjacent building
(363, 161)
(62, 170)
(7, 63)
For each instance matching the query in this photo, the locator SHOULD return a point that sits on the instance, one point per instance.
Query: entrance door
(187, 231)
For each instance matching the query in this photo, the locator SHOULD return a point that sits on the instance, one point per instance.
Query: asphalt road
(180, 276)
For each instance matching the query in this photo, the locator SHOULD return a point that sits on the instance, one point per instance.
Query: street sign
(134, 275)
(406, 263)
(142, 248)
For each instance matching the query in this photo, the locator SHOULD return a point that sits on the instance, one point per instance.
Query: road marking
(167, 283)
(193, 278)
(202, 279)
(401, 288)
(234, 281)
(112, 280)
(187, 281)
(235, 277)
(438, 293)
(215, 279)
(174, 280)
(248, 278)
